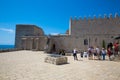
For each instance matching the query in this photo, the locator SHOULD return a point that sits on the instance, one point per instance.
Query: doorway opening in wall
(53, 48)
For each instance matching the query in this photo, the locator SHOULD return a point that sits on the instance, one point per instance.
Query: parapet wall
(110, 16)
(106, 25)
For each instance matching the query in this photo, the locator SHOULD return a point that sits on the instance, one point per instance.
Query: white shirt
(103, 52)
(74, 51)
(98, 50)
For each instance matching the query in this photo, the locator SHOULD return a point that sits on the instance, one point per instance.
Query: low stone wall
(9, 50)
(68, 54)
(57, 60)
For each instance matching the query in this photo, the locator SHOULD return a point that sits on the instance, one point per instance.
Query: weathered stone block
(57, 60)
(68, 54)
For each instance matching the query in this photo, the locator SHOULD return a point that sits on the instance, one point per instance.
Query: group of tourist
(97, 53)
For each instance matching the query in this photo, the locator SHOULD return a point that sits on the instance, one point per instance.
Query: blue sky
(51, 15)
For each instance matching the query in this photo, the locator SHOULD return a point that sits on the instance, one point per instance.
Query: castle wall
(83, 33)
(26, 30)
(33, 42)
(68, 43)
(38, 31)
(95, 26)
(22, 30)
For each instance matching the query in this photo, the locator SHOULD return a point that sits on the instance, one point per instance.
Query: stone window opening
(85, 42)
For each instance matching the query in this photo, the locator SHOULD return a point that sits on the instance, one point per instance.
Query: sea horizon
(5, 46)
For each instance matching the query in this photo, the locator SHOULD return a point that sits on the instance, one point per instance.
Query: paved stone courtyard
(30, 65)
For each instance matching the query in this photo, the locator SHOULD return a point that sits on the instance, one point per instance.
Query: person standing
(75, 54)
(116, 45)
(103, 53)
(85, 54)
(90, 55)
(98, 52)
(109, 52)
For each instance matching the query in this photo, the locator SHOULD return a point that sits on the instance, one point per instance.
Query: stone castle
(82, 34)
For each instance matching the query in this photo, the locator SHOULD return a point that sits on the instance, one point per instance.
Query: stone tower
(26, 30)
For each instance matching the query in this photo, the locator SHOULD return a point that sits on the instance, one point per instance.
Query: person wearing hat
(103, 53)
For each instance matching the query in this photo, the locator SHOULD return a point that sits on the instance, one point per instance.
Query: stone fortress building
(82, 34)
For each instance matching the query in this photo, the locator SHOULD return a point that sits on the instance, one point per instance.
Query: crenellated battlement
(110, 16)
(102, 24)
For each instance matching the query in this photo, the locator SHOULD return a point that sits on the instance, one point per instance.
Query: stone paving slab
(30, 65)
